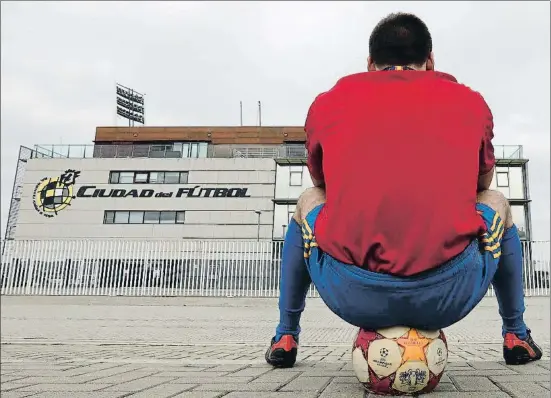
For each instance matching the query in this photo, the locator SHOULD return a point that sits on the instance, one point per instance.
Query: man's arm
(313, 146)
(486, 156)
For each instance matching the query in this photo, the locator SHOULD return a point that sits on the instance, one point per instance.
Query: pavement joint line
(296, 376)
(42, 336)
(210, 344)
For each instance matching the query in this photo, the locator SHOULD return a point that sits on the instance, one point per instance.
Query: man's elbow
(485, 180)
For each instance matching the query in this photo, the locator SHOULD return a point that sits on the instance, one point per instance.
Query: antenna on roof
(259, 114)
(241, 113)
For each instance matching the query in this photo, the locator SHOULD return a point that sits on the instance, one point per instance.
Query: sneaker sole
(280, 358)
(518, 356)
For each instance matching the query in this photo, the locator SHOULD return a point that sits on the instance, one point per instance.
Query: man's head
(400, 40)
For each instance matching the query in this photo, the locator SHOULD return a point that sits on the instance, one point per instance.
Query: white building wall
(273, 190)
(291, 181)
(205, 217)
(509, 181)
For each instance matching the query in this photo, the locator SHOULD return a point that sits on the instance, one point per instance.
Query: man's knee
(307, 201)
(498, 202)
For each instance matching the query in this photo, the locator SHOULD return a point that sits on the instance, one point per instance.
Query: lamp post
(258, 225)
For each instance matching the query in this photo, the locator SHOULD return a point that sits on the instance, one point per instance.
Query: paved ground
(213, 347)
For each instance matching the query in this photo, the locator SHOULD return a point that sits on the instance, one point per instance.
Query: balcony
(172, 151)
(169, 150)
(506, 154)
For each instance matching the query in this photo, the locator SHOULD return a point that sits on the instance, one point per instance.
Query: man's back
(399, 152)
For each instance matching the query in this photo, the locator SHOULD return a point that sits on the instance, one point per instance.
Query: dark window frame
(506, 173)
(105, 213)
(113, 213)
(296, 172)
(115, 175)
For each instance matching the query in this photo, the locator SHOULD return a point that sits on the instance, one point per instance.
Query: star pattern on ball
(414, 346)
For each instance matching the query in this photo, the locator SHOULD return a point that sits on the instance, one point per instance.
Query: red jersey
(400, 153)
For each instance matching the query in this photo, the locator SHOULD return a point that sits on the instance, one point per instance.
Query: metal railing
(276, 152)
(508, 152)
(235, 151)
(175, 268)
(106, 151)
(164, 151)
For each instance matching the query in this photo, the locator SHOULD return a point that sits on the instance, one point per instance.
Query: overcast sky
(197, 60)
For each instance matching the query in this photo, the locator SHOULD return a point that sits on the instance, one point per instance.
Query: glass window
(185, 150)
(109, 217)
(151, 217)
(180, 217)
(194, 150)
(151, 177)
(172, 177)
(295, 175)
(518, 213)
(168, 217)
(156, 177)
(502, 179)
(136, 217)
(203, 149)
(141, 177)
(126, 177)
(295, 150)
(290, 217)
(177, 146)
(114, 177)
(159, 148)
(121, 217)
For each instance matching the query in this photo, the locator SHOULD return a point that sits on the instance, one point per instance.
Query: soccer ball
(399, 360)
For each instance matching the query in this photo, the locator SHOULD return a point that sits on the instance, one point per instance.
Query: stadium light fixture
(130, 105)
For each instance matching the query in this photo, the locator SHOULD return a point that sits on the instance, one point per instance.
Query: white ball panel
(359, 363)
(412, 377)
(384, 357)
(437, 356)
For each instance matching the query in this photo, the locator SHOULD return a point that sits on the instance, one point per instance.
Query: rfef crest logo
(52, 195)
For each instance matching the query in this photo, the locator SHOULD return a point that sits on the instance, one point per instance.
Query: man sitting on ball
(400, 227)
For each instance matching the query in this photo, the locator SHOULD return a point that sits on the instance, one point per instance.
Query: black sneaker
(518, 352)
(283, 354)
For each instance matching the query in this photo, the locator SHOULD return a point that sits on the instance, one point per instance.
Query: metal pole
(258, 225)
(129, 120)
(241, 113)
(259, 114)
(258, 229)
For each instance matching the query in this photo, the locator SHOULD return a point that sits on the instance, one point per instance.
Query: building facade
(191, 183)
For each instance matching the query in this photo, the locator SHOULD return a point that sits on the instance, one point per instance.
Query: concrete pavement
(213, 347)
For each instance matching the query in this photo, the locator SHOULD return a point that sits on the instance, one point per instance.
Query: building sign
(90, 191)
(52, 195)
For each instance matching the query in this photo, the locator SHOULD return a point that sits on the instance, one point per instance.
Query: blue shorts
(433, 300)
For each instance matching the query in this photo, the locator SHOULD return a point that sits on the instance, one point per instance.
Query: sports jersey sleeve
(313, 145)
(487, 158)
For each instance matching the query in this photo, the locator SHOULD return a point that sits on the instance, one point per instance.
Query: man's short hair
(400, 39)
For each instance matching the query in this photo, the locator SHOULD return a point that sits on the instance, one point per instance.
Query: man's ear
(371, 65)
(430, 61)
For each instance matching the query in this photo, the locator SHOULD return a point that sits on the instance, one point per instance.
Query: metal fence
(200, 150)
(174, 268)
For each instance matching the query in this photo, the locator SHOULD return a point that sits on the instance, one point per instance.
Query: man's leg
(519, 346)
(294, 283)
